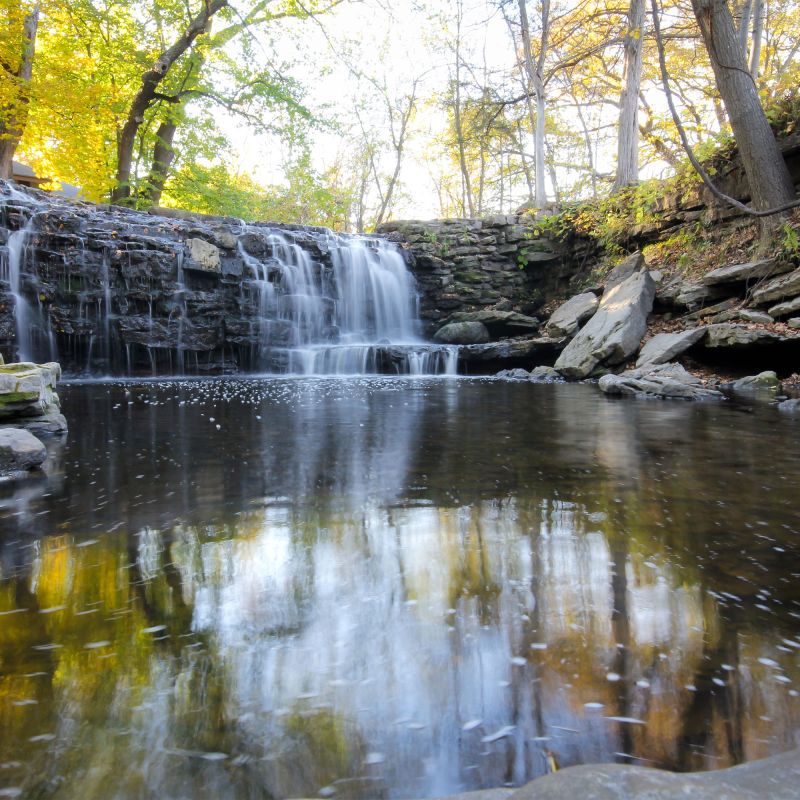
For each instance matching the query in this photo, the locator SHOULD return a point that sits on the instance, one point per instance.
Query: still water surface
(375, 588)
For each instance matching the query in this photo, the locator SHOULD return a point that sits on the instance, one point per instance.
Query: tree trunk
(758, 32)
(147, 95)
(13, 125)
(744, 25)
(163, 156)
(628, 136)
(771, 185)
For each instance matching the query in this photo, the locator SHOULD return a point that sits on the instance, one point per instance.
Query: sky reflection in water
(383, 588)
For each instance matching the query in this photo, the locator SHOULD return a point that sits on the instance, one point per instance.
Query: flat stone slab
(511, 321)
(787, 285)
(752, 270)
(615, 332)
(661, 380)
(569, 316)
(785, 309)
(663, 347)
(28, 389)
(775, 778)
(730, 335)
(521, 347)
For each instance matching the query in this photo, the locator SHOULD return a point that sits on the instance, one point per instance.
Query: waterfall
(116, 291)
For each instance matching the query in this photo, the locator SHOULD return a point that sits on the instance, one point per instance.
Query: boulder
(787, 285)
(793, 323)
(528, 347)
(776, 778)
(462, 333)
(204, 255)
(499, 323)
(764, 381)
(517, 374)
(791, 406)
(728, 334)
(20, 451)
(28, 390)
(752, 270)
(663, 347)
(627, 267)
(757, 317)
(614, 333)
(545, 375)
(660, 380)
(569, 316)
(692, 295)
(785, 309)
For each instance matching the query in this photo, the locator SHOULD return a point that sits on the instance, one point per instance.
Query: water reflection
(375, 589)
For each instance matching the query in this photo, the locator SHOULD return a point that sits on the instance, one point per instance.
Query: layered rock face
(114, 291)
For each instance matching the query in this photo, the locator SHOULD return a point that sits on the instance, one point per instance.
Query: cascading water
(117, 291)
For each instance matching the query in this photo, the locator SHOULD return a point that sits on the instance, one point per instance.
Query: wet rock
(462, 333)
(517, 374)
(569, 316)
(528, 348)
(752, 270)
(546, 375)
(20, 451)
(614, 332)
(205, 255)
(731, 335)
(791, 406)
(763, 381)
(776, 778)
(661, 380)
(786, 308)
(663, 347)
(787, 285)
(50, 424)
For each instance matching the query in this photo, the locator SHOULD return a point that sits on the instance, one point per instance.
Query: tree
(628, 133)
(771, 185)
(16, 67)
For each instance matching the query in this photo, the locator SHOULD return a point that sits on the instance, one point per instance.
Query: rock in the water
(776, 778)
(792, 406)
(204, 255)
(28, 390)
(20, 451)
(787, 285)
(627, 267)
(569, 316)
(730, 335)
(786, 308)
(517, 374)
(661, 380)
(615, 331)
(527, 348)
(53, 422)
(752, 270)
(546, 375)
(763, 381)
(663, 347)
(462, 333)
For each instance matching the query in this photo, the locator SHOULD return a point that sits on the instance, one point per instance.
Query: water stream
(393, 588)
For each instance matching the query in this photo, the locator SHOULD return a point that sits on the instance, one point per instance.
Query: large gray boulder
(661, 380)
(752, 270)
(627, 267)
(499, 323)
(462, 333)
(28, 390)
(614, 333)
(787, 285)
(663, 347)
(20, 451)
(569, 316)
(763, 382)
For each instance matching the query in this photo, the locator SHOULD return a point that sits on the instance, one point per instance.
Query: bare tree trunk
(457, 121)
(744, 25)
(771, 185)
(758, 32)
(628, 137)
(12, 125)
(147, 94)
(163, 156)
(535, 73)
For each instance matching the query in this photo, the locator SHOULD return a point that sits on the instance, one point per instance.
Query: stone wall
(499, 262)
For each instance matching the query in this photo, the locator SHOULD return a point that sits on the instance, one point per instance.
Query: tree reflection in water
(393, 589)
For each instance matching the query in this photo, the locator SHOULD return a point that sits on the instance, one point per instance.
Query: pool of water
(383, 588)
